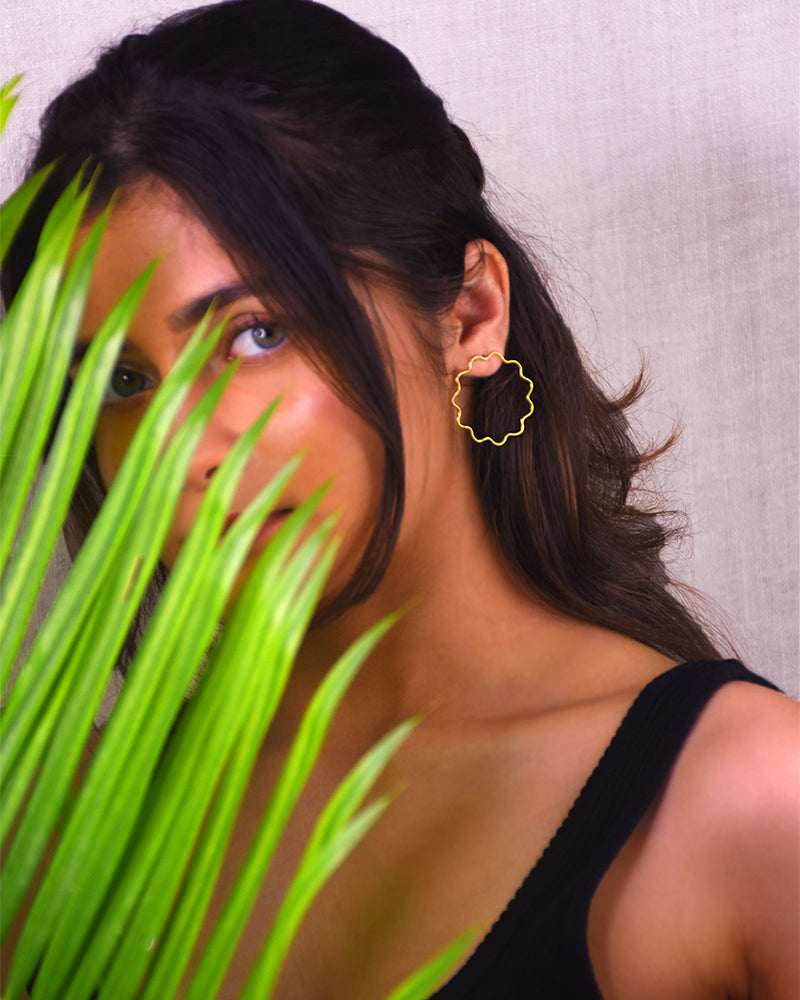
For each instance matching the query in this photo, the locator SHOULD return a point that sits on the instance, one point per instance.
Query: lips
(275, 517)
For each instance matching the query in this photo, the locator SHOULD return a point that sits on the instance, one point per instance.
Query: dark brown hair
(318, 157)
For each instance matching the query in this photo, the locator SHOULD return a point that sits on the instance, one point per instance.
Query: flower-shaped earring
(522, 375)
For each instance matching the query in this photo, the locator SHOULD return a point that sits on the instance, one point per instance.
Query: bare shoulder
(741, 764)
(704, 899)
(736, 792)
(744, 729)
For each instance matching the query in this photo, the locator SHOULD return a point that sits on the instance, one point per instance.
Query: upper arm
(704, 898)
(754, 795)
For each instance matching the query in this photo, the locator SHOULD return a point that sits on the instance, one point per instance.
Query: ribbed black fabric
(537, 947)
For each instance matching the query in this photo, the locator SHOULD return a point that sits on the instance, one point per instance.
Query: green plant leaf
(106, 544)
(337, 831)
(33, 359)
(234, 740)
(422, 983)
(7, 100)
(13, 210)
(25, 573)
(85, 682)
(130, 852)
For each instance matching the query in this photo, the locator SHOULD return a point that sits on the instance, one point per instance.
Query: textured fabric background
(650, 150)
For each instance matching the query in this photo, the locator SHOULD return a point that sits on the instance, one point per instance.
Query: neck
(469, 635)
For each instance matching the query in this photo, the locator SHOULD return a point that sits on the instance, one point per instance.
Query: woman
(292, 172)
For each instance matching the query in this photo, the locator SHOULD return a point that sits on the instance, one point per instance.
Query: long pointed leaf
(334, 835)
(142, 841)
(106, 541)
(422, 983)
(169, 810)
(8, 99)
(239, 730)
(16, 205)
(27, 324)
(294, 775)
(105, 636)
(23, 579)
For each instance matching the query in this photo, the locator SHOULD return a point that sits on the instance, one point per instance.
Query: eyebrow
(188, 315)
(192, 312)
(82, 346)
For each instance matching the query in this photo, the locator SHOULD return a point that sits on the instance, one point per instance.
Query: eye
(256, 339)
(125, 383)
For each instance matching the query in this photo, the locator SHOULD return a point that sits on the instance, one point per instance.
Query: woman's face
(151, 221)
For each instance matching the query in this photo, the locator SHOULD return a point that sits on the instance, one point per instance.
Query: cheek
(112, 439)
(311, 418)
(340, 448)
(351, 447)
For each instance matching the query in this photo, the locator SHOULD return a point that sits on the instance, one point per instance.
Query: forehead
(148, 221)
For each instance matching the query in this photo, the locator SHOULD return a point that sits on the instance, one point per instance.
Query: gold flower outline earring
(466, 371)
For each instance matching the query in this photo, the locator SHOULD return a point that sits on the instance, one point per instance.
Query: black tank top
(537, 947)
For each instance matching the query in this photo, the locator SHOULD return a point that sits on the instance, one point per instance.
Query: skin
(517, 702)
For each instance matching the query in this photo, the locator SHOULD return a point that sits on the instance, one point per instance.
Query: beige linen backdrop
(649, 148)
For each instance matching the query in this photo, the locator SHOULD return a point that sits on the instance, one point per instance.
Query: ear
(478, 319)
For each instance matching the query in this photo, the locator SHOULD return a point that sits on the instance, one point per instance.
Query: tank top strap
(538, 945)
(635, 765)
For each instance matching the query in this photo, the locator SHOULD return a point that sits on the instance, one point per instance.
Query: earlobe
(479, 315)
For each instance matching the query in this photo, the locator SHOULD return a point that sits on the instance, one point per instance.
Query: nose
(217, 438)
